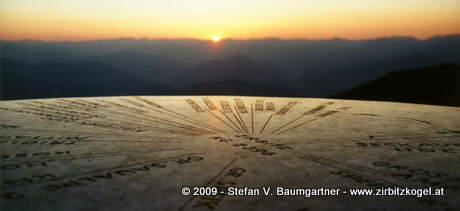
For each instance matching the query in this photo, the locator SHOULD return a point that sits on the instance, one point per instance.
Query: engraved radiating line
(311, 111)
(91, 141)
(297, 126)
(231, 121)
(81, 156)
(193, 120)
(286, 108)
(246, 128)
(63, 136)
(234, 115)
(287, 124)
(353, 166)
(244, 125)
(92, 137)
(429, 123)
(155, 106)
(123, 115)
(159, 125)
(266, 123)
(64, 110)
(222, 120)
(159, 121)
(342, 166)
(162, 121)
(226, 107)
(132, 102)
(188, 119)
(96, 171)
(252, 118)
(118, 124)
(214, 178)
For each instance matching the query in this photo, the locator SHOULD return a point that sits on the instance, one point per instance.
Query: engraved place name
(209, 103)
(259, 106)
(9, 126)
(32, 164)
(319, 108)
(240, 105)
(326, 114)
(194, 105)
(145, 122)
(414, 147)
(132, 102)
(422, 176)
(343, 108)
(227, 180)
(226, 107)
(150, 103)
(425, 177)
(113, 126)
(244, 146)
(270, 106)
(368, 181)
(413, 175)
(62, 104)
(53, 116)
(42, 137)
(264, 142)
(36, 154)
(124, 171)
(125, 107)
(426, 150)
(35, 178)
(64, 108)
(455, 133)
(38, 142)
(286, 108)
(437, 144)
(373, 183)
(88, 178)
(82, 104)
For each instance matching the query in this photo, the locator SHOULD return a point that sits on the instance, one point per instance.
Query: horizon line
(227, 39)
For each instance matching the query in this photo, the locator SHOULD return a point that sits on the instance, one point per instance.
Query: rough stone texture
(137, 153)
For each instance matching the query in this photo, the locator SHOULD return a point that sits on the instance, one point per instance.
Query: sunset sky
(80, 20)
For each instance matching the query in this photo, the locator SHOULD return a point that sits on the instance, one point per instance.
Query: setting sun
(215, 38)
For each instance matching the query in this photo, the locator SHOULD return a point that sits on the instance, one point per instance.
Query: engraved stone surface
(139, 153)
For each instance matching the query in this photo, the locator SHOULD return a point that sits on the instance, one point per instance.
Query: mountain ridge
(435, 85)
(311, 68)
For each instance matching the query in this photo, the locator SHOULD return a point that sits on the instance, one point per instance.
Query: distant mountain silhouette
(231, 86)
(311, 68)
(436, 85)
(237, 67)
(53, 79)
(152, 68)
(35, 51)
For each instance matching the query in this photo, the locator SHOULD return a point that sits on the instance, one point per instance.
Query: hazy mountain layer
(437, 85)
(53, 79)
(306, 68)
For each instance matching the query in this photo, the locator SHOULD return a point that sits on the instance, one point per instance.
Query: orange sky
(79, 20)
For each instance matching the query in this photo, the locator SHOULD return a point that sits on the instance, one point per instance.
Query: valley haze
(257, 67)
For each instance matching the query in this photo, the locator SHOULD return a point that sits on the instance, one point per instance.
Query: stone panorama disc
(227, 153)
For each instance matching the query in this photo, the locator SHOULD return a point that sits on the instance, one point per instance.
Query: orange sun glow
(215, 38)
